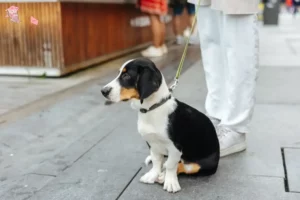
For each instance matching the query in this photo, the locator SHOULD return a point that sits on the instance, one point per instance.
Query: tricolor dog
(171, 128)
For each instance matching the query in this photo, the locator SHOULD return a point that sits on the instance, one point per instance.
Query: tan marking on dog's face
(124, 69)
(130, 93)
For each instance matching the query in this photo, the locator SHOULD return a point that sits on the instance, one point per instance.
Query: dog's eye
(125, 76)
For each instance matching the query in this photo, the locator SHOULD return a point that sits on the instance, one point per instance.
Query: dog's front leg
(152, 175)
(171, 183)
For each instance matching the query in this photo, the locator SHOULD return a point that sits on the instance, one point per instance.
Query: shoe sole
(234, 149)
(151, 56)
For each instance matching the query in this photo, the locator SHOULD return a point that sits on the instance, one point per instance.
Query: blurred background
(72, 35)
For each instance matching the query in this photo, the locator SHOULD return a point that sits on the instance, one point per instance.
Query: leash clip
(173, 86)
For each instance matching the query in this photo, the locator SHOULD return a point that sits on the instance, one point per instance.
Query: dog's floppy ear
(148, 82)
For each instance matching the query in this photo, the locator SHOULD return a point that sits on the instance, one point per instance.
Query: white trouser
(229, 47)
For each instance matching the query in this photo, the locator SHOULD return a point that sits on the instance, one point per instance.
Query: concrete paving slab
(278, 85)
(280, 60)
(292, 160)
(279, 46)
(219, 186)
(92, 136)
(69, 141)
(45, 131)
(23, 187)
(104, 171)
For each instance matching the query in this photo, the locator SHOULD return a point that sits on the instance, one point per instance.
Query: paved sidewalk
(79, 149)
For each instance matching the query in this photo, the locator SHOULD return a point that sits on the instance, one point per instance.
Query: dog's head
(137, 79)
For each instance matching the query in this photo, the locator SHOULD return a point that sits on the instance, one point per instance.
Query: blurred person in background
(228, 32)
(288, 4)
(178, 8)
(291, 5)
(155, 9)
(296, 4)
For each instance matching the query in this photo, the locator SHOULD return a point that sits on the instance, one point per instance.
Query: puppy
(170, 127)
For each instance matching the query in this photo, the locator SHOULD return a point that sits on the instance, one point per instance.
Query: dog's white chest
(153, 128)
(153, 123)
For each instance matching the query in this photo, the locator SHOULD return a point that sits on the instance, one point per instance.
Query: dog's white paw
(171, 183)
(149, 177)
(148, 160)
(161, 178)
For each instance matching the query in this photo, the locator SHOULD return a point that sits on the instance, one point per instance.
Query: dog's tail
(148, 160)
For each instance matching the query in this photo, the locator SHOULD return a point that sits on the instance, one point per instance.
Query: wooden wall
(69, 35)
(92, 30)
(24, 44)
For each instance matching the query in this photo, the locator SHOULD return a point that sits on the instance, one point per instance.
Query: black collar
(156, 105)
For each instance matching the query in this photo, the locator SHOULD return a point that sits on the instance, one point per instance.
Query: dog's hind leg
(183, 168)
(188, 168)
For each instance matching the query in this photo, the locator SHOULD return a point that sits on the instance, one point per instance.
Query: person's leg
(162, 33)
(240, 39)
(209, 33)
(163, 37)
(176, 25)
(177, 14)
(191, 12)
(164, 8)
(157, 27)
(194, 39)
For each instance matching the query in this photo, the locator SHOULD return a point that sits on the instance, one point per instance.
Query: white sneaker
(187, 32)
(164, 49)
(179, 39)
(230, 141)
(215, 122)
(152, 52)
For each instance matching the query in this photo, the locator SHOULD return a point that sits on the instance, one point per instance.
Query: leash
(179, 69)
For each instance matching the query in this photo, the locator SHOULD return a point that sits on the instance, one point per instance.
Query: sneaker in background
(187, 32)
(164, 48)
(152, 51)
(179, 39)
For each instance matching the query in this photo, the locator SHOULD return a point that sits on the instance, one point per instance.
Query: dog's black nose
(105, 91)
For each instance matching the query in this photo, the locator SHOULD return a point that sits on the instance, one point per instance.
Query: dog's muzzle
(105, 91)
